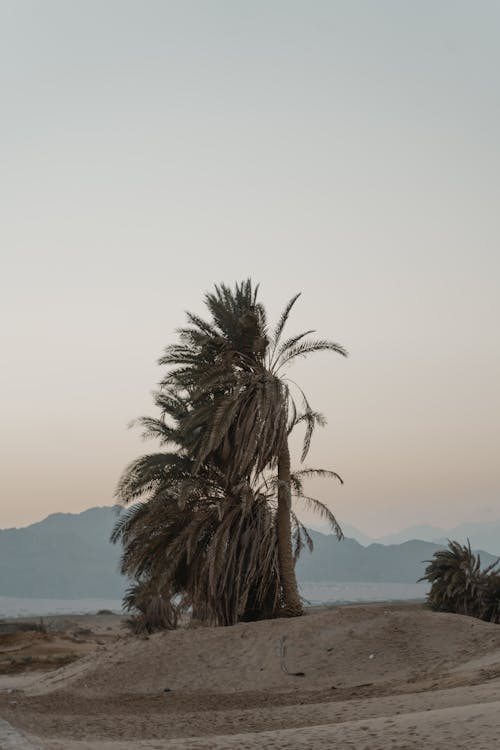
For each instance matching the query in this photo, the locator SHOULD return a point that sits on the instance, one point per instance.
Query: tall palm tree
(243, 406)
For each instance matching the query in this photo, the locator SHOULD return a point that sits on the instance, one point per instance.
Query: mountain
(90, 523)
(349, 531)
(424, 532)
(482, 535)
(68, 556)
(65, 556)
(350, 561)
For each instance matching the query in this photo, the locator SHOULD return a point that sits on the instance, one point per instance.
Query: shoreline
(324, 593)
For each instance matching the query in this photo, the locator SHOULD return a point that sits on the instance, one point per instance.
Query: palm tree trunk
(291, 599)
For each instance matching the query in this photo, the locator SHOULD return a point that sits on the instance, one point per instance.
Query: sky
(347, 150)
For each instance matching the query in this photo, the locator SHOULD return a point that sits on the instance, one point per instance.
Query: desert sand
(368, 677)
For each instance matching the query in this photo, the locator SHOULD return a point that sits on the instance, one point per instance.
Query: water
(315, 593)
(330, 593)
(14, 607)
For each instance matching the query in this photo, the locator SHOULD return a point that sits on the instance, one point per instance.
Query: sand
(25, 655)
(368, 677)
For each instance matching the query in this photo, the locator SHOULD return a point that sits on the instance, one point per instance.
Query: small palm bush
(151, 608)
(459, 585)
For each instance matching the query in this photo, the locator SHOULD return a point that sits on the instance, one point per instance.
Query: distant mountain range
(482, 535)
(350, 561)
(65, 556)
(68, 556)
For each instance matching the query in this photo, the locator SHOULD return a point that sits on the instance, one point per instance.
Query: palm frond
(323, 511)
(283, 319)
(308, 347)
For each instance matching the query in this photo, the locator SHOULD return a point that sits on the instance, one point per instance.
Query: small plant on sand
(460, 585)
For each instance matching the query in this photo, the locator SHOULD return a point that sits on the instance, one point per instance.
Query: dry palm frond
(218, 553)
(216, 549)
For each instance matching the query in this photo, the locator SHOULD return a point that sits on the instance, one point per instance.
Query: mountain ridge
(69, 556)
(483, 535)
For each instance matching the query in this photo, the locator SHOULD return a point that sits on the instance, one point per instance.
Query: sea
(352, 593)
(313, 593)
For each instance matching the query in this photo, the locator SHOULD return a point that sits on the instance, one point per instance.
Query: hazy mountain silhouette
(483, 535)
(68, 556)
(350, 561)
(425, 532)
(350, 532)
(65, 556)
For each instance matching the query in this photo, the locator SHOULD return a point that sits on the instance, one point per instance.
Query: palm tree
(192, 540)
(490, 600)
(242, 405)
(212, 553)
(152, 607)
(455, 577)
(459, 585)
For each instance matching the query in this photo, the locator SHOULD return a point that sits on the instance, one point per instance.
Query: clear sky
(348, 150)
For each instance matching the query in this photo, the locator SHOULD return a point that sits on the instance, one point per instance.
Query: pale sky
(348, 150)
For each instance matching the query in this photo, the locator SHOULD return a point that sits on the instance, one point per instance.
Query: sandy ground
(367, 677)
(31, 646)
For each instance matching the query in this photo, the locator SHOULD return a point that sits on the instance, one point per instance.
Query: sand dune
(361, 677)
